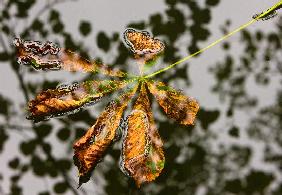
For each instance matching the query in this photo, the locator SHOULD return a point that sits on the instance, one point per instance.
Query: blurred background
(235, 145)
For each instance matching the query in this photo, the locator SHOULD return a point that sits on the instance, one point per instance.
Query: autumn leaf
(69, 99)
(89, 149)
(143, 45)
(48, 56)
(142, 152)
(176, 105)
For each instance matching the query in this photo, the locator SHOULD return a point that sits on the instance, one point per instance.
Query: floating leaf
(48, 56)
(176, 105)
(69, 99)
(142, 155)
(91, 147)
(142, 44)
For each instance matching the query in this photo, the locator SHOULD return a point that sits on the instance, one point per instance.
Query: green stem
(273, 8)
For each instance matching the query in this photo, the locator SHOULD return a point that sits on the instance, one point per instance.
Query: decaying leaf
(69, 99)
(89, 149)
(176, 105)
(48, 56)
(142, 155)
(142, 152)
(142, 44)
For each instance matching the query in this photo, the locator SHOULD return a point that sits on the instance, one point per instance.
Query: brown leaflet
(142, 154)
(176, 105)
(89, 149)
(48, 56)
(143, 45)
(69, 99)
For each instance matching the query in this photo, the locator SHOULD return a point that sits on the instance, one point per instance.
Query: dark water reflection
(234, 148)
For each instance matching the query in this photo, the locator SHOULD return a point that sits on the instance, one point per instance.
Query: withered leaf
(89, 149)
(142, 152)
(142, 44)
(69, 99)
(142, 155)
(48, 56)
(176, 105)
